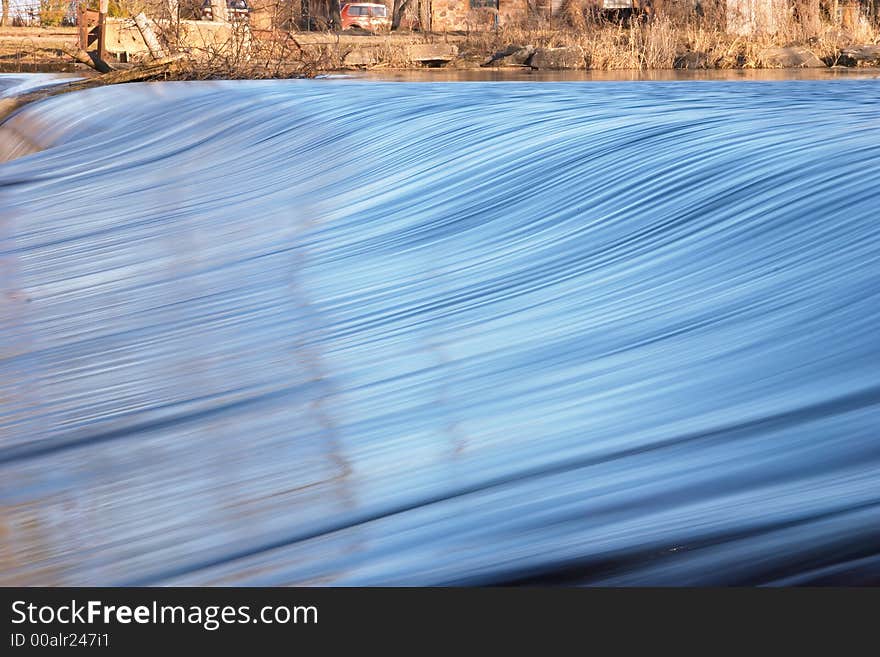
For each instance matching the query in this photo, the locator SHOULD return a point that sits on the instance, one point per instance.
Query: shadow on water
(355, 331)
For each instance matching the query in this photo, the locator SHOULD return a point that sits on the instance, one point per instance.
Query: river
(377, 332)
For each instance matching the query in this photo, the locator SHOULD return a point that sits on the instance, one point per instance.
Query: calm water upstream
(374, 332)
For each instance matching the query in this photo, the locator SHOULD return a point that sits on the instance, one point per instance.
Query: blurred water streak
(349, 332)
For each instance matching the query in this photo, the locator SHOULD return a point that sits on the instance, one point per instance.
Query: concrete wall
(125, 41)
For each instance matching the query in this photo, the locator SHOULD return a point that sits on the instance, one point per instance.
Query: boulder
(558, 58)
(860, 56)
(511, 56)
(691, 60)
(361, 57)
(790, 57)
(467, 61)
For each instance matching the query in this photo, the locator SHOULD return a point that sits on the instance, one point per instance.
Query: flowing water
(363, 332)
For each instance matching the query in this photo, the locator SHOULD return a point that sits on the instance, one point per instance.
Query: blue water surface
(371, 333)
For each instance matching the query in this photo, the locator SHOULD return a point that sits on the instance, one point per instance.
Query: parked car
(236, 10)
(366, 16)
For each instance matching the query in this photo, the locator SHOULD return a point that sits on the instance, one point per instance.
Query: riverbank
(663, 44)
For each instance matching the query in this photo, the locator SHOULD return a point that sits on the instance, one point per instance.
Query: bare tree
(4, 17)
(335, 18)
(425, 15)
(397, 12)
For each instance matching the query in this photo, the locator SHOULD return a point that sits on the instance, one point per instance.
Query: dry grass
(664, 41)
(678, 36)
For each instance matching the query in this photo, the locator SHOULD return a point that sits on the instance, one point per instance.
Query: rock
(790, 57)
(860, 56)
(467, 61)
(557, 58)
(427, 53)
(691, 60)
(360, 57)
(511, 56)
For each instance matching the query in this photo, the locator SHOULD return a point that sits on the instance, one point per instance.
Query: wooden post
(82, 27)
(149, 36)
(103, 8)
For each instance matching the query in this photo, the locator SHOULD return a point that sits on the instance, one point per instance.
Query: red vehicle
(366, 16)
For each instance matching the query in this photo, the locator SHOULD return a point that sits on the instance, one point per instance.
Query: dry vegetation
(665, 41)
(684, 34)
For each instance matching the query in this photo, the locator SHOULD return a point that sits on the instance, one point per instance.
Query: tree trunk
(149, 36)
(335, 18)
(305, 15)
(425, 15)
(4, 17)
(397, 12)
(88, 58)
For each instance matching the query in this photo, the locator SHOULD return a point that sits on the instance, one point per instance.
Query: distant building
(476, 14)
